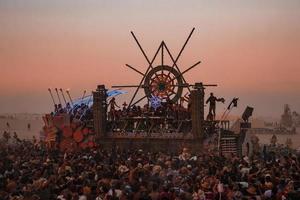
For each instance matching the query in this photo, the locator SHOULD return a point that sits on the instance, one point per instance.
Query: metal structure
(155, 125)
(165, 125)
(164, 81)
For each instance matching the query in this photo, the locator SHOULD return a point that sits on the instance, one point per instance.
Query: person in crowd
(29, 171)
(7, 125)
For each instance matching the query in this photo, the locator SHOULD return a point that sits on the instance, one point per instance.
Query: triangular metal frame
(162, 47)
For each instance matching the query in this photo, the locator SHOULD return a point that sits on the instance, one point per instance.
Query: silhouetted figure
(59, 108)
(124, 105)
(16, 137)
(34, 140)
(212, 100)
(112, 103)
(55, 108)
(273, 140)
(210, 116)
(7, 125)
(28, 126)
(6, 136)
(265, 153)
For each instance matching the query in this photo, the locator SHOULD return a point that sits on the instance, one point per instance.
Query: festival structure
(169, 115)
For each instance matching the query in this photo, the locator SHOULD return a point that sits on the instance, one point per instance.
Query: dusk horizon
(250, 49)
(149, 100)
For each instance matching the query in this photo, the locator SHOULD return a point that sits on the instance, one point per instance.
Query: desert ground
(19, 123)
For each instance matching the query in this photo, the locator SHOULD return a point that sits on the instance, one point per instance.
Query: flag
(88, 100)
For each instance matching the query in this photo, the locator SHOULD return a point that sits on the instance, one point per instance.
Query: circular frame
(163, 88)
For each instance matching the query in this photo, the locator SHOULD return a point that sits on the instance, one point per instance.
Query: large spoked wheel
(164, 82)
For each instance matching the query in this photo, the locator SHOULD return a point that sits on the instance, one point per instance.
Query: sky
(251, 49)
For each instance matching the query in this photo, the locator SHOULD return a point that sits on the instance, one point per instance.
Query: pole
(91, 97)
(84, 92)
(135, 69)
(58, 96)
(51, 96)
(62, 94)
(68, 93)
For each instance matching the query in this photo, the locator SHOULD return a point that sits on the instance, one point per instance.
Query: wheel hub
(164, 82)
(161, 86)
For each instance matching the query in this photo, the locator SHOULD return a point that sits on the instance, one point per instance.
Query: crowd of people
(167, 109)
(29, 171)
(79, 112)
(169, 117)
(116, 115)
(83, 112)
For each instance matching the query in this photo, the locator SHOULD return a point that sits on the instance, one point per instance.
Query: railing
(228, 145)
(153, 126)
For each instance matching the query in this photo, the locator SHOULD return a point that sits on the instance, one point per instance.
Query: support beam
(135, 70)
(150, 66)
(138, 100)
(174, 64)
(128, 86)
(197, 111)
(188, 69)
(142, 50)
(191, 67)
(183, 47)
(162, 55)
(100, 111)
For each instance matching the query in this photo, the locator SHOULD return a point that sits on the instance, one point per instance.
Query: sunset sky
(251, 49)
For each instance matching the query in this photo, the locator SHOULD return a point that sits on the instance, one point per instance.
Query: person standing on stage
(212, 100)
